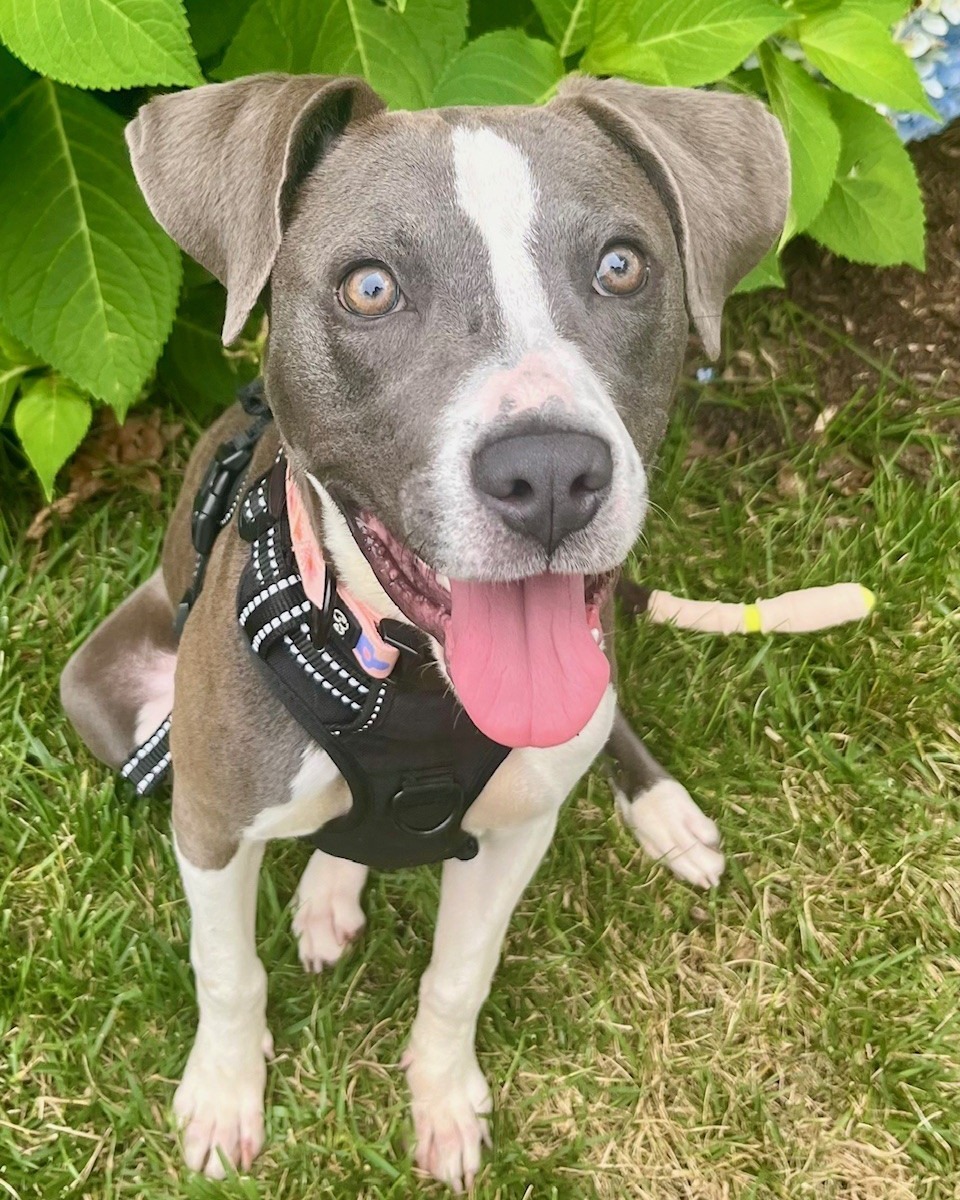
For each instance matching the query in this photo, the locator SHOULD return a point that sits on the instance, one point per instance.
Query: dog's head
(477, 319)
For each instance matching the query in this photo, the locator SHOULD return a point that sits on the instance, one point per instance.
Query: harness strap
(219, 492)
(413, 760)
(411, 757)
(213, 508)
(149, 763)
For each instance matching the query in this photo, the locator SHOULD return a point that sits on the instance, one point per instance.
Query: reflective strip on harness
(149, 763)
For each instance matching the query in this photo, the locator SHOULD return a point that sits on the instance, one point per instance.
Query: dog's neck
(321, 536)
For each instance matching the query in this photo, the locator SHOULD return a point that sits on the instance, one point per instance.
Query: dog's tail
(803, 611)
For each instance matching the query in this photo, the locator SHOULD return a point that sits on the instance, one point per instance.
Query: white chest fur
(318, 793)
(535, 781)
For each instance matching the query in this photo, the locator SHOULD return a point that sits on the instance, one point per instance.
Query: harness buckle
(215, 492)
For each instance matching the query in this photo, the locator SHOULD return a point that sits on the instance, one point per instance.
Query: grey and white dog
(477, 320)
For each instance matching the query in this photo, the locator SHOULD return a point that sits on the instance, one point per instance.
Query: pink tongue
(523, 659)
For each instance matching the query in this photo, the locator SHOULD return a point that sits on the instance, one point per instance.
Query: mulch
(907, 320)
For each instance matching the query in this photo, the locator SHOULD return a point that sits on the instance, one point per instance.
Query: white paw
(672, 829)
(328, 916)
(219, 1106)
(449, 1120)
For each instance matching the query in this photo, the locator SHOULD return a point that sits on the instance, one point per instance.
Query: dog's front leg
(220, 1101)
(660, 811)
(450, 1094)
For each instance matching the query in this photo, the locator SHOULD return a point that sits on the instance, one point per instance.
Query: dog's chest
(528, 784)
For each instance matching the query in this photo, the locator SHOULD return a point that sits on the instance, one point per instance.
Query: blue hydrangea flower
(930, 34)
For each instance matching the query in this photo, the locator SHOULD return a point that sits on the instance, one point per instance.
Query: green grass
(792, 1034)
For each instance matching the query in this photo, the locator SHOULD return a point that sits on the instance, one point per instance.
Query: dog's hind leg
(328, 914)
(118, 687)
(664, 819)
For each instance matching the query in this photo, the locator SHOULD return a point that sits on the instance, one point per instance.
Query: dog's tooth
(596, 635)
(443, 580)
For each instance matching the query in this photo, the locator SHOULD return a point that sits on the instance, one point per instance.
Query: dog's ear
(720, 164)
(219, 165)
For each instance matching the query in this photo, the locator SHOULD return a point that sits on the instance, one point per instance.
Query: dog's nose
(546, 485)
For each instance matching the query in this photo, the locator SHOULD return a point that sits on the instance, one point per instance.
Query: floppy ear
(720, 164)
(219, 165)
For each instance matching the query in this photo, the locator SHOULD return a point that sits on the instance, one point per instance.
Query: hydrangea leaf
(765, 274)
(51, 419)
(402, 55)
(11, 376)
(639, 63)
(506, 67)
(858, 54)
(697, 41)
(195, 368)
(874, 212)
(214, 23)
(88, 280)
(569, 22)
(887, 11)
(102, 43)
(802, 107)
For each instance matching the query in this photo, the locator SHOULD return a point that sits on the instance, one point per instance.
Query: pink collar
(376, 656)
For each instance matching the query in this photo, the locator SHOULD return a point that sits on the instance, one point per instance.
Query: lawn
(792, 1034)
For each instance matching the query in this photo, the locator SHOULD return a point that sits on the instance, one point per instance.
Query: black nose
(546, 485)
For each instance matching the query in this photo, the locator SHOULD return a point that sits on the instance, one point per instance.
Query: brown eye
(369, 291)
(621, 271)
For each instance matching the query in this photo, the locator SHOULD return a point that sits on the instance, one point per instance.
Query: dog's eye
(369, 291)
(621, 271)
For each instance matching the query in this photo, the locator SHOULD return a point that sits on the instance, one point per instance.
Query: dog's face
(469, 302)
(477, 321)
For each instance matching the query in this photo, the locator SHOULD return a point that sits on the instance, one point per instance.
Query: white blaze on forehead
(495, 188)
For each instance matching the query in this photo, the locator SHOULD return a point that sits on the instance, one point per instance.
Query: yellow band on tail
(752, 622)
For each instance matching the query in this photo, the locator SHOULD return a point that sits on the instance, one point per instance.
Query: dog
(477, 319)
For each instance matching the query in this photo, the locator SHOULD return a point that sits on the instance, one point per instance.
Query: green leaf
(195, 368)
(501, 68)
(88, 280)
(213, 23)
(15, 361)
(858, 54)
(402, 55)
(765, 274)
(802, 107)
(886, 11)
(874, 212)
(632, 62)
(569, 22)
(486, 16)
(102, 43)
(698, 41)
(14, 77)
(51, 418)
(12, 350)
(10, 378)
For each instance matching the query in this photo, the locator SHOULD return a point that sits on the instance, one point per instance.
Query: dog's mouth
(524, 656)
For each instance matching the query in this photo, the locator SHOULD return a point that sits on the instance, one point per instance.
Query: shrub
(92, 292)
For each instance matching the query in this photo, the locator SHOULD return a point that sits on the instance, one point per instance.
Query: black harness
(413, 760)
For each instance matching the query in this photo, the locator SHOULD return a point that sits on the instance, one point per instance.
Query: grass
(793, 1034)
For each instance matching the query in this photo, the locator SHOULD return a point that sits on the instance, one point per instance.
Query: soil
(906, 320)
